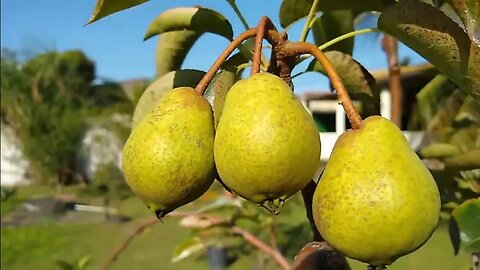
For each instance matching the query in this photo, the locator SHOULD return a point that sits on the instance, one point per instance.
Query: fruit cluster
(265, 149)
(375, 201)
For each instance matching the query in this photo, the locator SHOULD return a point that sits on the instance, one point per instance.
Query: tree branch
(208, 220)
(296, 48)
(120, 248)
(390, 46)
(254, 241)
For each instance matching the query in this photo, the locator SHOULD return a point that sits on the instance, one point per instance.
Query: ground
(42, 245)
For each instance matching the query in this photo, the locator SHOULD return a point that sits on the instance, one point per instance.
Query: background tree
(50, 101)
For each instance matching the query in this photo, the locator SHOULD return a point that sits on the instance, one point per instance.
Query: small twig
(390, 46)
(257, 54)
(340, 38)
(273, 236)
(297, 48)
(202, 85)
(254, 241)
(306, 26)
(347, 36)
(120, 248)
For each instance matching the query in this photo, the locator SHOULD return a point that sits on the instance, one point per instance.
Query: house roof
(413, 79)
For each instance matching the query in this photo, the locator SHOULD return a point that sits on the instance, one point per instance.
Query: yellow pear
(376, 201)
(168, 158)
(267, 146)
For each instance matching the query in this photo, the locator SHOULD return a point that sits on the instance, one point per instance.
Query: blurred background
(68, 92)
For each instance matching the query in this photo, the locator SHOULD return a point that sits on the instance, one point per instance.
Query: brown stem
(254, 241)
(350, 110)
(202, 85)
(390, 46)
(257, 54)
(120, 248)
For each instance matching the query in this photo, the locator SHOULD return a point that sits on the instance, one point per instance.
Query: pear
(376, 201)
(168, 159)
(267, 146)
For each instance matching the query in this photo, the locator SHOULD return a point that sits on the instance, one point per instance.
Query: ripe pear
(168, 158)
(376, 201)
(267, 146)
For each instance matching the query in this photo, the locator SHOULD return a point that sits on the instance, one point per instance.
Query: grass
(41, 246)
(436, 254)
(7, 206)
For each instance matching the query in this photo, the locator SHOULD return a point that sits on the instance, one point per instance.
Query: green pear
(376, 201)
(267, 146)
(168, 158)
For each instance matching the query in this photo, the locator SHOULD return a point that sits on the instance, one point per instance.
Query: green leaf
(200, 20)
(217, 91)
(443, 119)
(82, 262)
(358, 81)
(469, 113)
(469, 12)
(172, 49)
(188, 248)
(454, 233)
(466, 161)
(465, 139)
(160, 86)
(333, 24)
(235, 61)
(438, 39)
(469, 180)
(467, 218)
(104, 8)
(439, 150)
(432, 96)
(293, 10)
(64, 265)
(179, 29)
(474, 245)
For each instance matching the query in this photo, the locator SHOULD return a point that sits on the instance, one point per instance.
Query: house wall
(13, 166)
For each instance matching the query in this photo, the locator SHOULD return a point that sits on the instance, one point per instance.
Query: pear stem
(350, 110)
(257, 54)
(202, 85)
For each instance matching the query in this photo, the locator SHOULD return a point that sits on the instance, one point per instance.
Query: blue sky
(116, 43)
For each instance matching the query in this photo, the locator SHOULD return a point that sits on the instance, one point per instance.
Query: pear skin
(376, 201)
(168, 158)
(267, 146)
